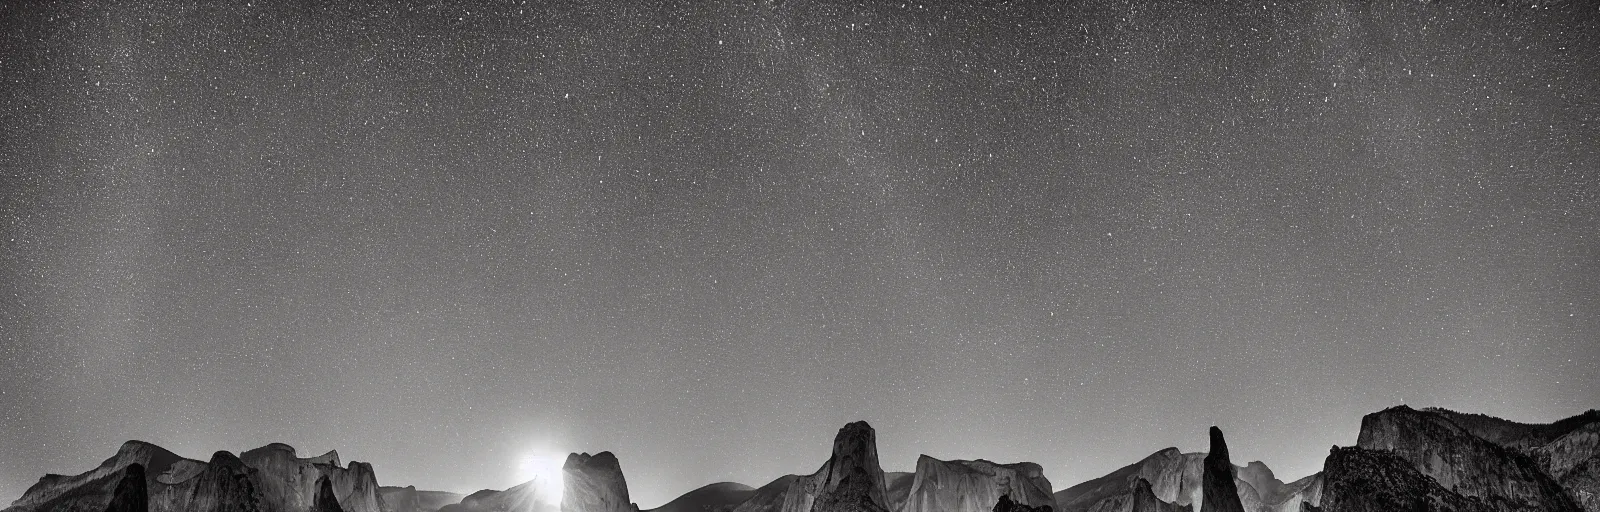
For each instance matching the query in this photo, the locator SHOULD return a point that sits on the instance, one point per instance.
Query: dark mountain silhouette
(1221, 495)
(717, 497)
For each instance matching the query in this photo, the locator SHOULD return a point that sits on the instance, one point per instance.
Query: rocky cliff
(1306, 490)
(1143, 499)
(267, 479)
(898, 488)
(131, 494)
(1176, 477)
(975, 486)
(1583, 483)
(1522, 437)
(325, 499)
(850, 481)
(1139, 498)
(225, 485)
(594, 483)
(1361, 480)
(93, 489)
(290, 483)
(1466, 464)
(1567, 450)
(1220, 493)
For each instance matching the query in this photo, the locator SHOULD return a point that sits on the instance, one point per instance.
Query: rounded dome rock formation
(594, 483)
(976, 486)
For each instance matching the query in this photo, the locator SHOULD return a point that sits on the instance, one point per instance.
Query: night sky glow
(706, 234)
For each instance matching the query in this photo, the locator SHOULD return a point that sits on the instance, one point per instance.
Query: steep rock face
(851, 480)
(325, 501)
(1268, 488)
(594, 483)
(1139, 498)
(356, 486)
(290, 483)
(1144, 500)
(1463, 462)
(1522, 437)
(1220, 492)
(1583, 482)
(131, 494)
(1361, 480)
(226, 485)
(1574, 461)
(269, 479)
(409, 499)
(93, 490)
(1306, 491)
(1174, 477)
(975, 486)
(1561, 455)
(897, 486)
(717, 497)
(1556, 448)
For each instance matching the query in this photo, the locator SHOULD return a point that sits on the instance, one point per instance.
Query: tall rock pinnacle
(851, 480)
(1220, 493)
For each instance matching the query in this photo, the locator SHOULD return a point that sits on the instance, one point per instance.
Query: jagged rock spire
(1220, 493)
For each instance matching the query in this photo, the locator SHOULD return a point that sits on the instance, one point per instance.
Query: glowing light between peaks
(545, 471)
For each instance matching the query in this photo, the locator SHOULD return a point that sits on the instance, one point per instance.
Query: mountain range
(1427, 460)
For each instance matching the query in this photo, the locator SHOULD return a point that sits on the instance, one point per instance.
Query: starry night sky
(705, 235)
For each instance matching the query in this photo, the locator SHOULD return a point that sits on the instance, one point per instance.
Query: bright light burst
(544, 470)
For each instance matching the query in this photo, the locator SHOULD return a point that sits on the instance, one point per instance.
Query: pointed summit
(1219, 446)
(1220, 493)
